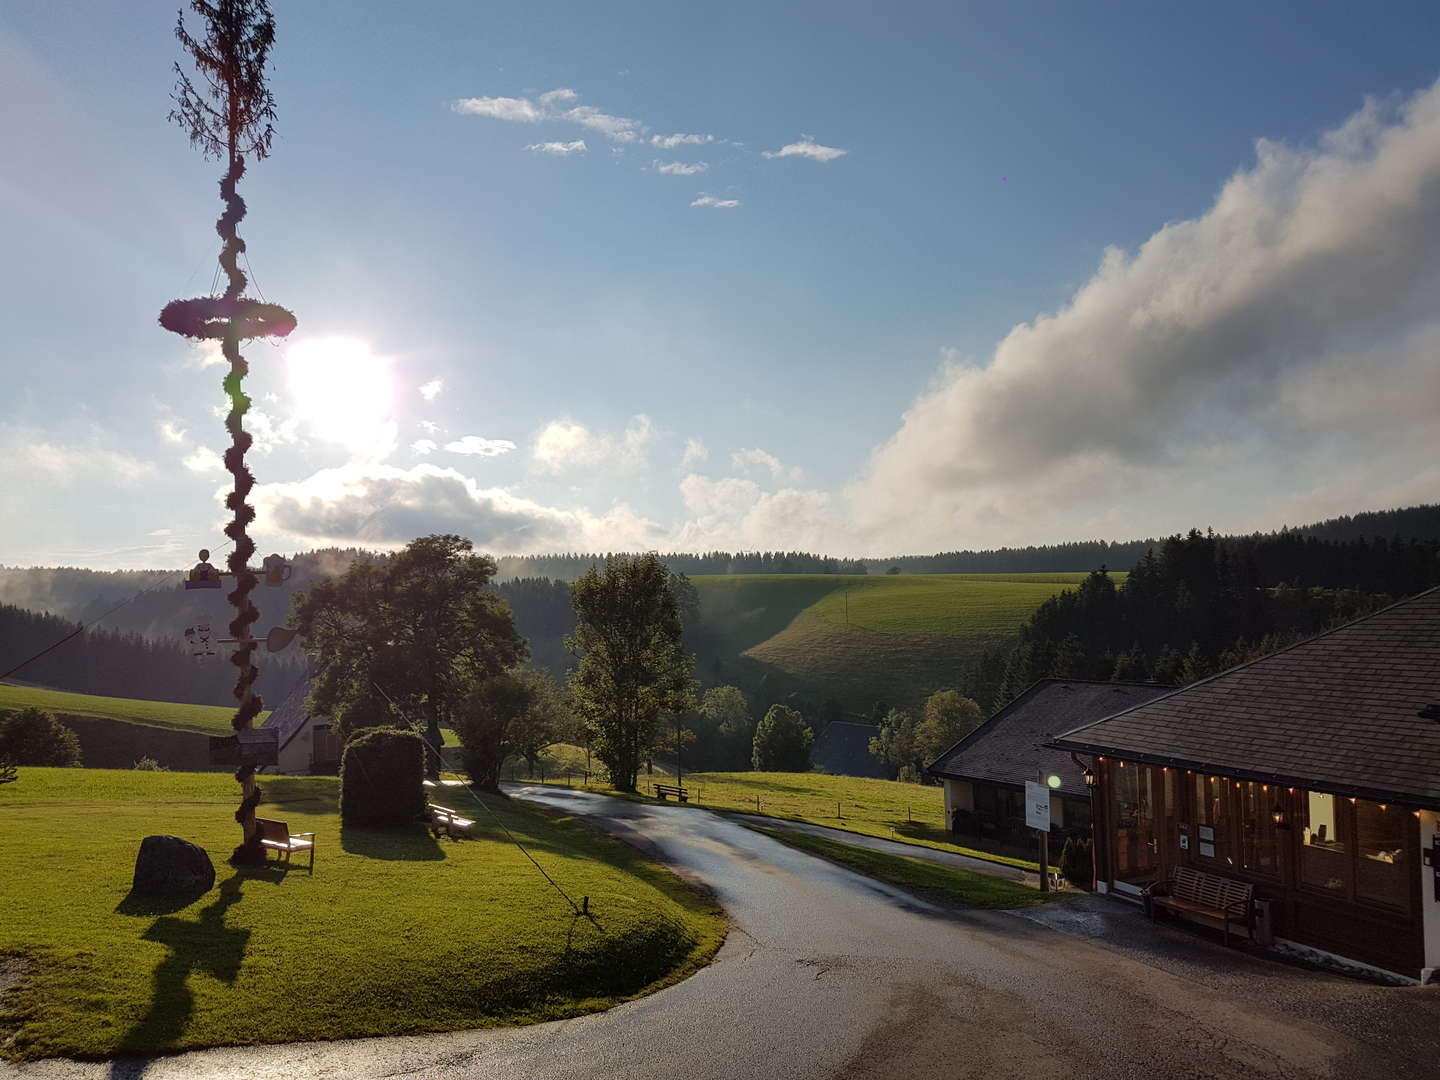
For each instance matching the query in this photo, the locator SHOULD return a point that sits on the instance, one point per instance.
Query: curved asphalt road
(829, 974)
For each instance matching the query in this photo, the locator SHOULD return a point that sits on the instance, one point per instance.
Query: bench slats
(1194, 892)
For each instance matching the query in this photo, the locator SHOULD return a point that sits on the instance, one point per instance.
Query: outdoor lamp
(1053, 780)
(1090, 778)
(1277, 815)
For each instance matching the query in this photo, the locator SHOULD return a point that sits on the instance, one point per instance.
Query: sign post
(1037, 817)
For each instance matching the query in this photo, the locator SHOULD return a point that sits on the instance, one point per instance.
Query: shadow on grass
(205, 944)
(404, 843)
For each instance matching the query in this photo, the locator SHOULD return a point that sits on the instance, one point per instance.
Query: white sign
(1037, 806)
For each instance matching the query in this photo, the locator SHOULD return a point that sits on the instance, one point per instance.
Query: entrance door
(1135, 861)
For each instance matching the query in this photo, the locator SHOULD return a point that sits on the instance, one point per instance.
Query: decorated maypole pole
(229, 116)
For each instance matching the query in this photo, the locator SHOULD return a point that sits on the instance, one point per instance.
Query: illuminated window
(1381, 871)
(1259, 848)
(1324, 854)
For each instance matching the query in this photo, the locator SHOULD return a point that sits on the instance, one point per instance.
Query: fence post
(757, 804)
(838, 815)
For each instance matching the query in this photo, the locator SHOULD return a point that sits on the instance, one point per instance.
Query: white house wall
(1429, 906)
(959, 795)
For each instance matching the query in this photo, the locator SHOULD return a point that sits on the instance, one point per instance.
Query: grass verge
(396, 932)
(964, 887)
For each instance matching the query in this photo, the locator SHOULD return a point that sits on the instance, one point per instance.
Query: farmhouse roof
(1011, 747)
(1339, 713)
(843, 749)
(289, 716)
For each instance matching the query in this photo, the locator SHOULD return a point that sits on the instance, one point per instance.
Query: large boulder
(168, 867)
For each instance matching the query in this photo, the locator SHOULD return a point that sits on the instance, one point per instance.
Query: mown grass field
(395, 931)
(205, 719)
(867, 638)
(945, 883)
(913, 813)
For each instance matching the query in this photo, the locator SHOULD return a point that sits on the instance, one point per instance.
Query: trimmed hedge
(382, 777)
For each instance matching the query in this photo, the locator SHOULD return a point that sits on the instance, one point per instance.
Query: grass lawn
(395, 932)
(913, 813)
(942, 882)
(206, 719)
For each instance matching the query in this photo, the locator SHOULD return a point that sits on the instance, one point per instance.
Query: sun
(343, 393)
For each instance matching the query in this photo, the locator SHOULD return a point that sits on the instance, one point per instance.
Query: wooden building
(307, 745)
(984, 773)
(1312, 773)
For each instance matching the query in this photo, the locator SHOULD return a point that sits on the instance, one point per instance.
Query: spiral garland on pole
(230, 118)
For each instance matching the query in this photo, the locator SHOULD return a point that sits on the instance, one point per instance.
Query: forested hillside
(128, 665)
(1198, 604)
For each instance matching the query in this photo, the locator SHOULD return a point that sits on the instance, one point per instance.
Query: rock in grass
(170, 867)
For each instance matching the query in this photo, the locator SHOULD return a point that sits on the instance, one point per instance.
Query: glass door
(1135, 857)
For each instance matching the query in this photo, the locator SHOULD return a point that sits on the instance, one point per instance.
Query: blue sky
(915, 344)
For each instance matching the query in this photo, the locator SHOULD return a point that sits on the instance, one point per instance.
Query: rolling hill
(860, 639)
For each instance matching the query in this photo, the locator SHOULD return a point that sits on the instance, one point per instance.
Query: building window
(1259, 846)
(1212, 819)
(1324, 854)
(1382, 875)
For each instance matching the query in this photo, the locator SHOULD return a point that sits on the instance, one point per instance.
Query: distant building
(1313, 774)
(307, 746)
(985, 773)
(843, 749)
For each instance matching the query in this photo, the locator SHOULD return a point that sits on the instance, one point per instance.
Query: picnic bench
(443, 819)
(276, 836)
(1195, 894)
(663, 791)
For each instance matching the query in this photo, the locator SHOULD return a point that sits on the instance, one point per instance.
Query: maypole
(230, 118)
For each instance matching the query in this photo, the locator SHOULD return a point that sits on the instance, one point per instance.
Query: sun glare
(343, 393)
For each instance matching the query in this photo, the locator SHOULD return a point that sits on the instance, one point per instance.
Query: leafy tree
(633, 669)
(32, 736)
(400, 641)
(947, 717)
(724, 730)
(895, 745)
(782, 741)
(514, 712)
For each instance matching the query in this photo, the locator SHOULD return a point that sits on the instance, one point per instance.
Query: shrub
(149, 764)
(34, 737)
(782, 741)
(382, 775)
(8, 773)
(1076, 862)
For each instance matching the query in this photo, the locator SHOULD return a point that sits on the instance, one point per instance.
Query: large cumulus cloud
(1278, 355)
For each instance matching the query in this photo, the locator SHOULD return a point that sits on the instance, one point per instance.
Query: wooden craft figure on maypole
(229, 115)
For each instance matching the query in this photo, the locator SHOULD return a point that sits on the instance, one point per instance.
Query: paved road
(829, 974)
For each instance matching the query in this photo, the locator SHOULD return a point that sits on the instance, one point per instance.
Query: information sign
(1037, 806)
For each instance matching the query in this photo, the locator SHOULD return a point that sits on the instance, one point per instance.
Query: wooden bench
(442, 818)
(276, 836)
(663, 791)
(1195, 894)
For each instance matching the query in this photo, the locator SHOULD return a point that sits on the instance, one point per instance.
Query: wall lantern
(1277, 815)
(1090, 778)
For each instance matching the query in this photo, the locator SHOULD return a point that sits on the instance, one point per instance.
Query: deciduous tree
(32, 736)
(782, 741)
(947, 717)
(633, 669)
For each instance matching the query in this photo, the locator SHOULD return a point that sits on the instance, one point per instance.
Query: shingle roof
(289, 716)
(1335, 713)
(1010, 747)
(843, 749)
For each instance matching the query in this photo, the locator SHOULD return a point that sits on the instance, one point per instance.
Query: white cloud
(203, 460)
(1280, 351)
(551, 108)
(745, 460)
(695, 450)
(384, 506)
(712, 201)
(424, 446)
(670, 142)
(734, 512)
(172, 432)
(680, 168)
(205, 354)
(474, 444)
(431, 390)
(807, 147)
(45, 460)
(431, 427)
(565, 444)
(560, 149)
(520, 110)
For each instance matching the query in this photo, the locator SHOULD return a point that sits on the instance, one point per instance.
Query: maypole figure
(230, 117)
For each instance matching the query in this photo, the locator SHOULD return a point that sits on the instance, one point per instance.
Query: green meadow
(394, 932)
(205, 719)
